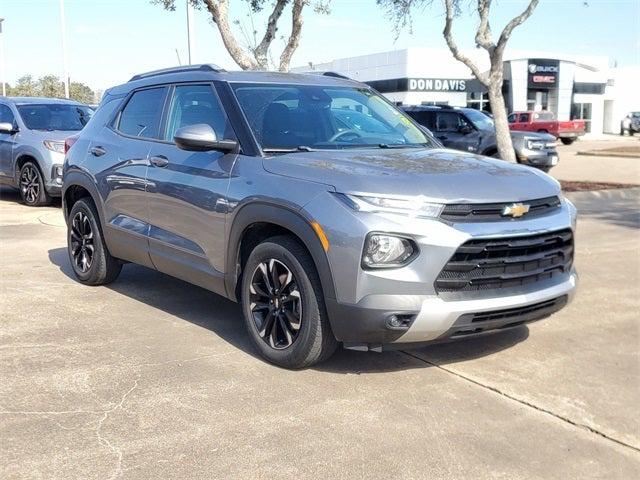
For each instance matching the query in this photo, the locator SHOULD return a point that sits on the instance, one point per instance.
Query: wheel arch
(77, 185)
(257, 221)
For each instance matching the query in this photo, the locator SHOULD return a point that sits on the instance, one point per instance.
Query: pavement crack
(104, 441)
(525, 403)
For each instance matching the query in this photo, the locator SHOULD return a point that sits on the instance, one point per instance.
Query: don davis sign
(437, 85)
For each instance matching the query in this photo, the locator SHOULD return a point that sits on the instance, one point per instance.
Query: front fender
(285, 217)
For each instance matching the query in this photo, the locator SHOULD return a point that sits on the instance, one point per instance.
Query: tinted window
(524, 117)
(6, 115)
(448, 122)
(193, 104)
(427, 119)
(55, 117)
(511, 118)
(141, 115)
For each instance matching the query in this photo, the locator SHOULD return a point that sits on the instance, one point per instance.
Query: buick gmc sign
(543, 73)
(437, 85)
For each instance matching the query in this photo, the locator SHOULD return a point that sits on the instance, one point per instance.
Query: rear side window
(194, 104)
(6, 115)
(511, 118)
(524, 117)
(427, 119)
(141, 116)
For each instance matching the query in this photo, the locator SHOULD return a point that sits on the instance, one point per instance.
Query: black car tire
(312, 341)
(567, 141)
(31, 186)
(84, 236)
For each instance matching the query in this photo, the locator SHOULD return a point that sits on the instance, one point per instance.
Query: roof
(211, 72)
(41, 100)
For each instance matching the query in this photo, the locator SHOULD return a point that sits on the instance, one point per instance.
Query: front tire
(90, 259)
(567, 141)
(31, 185)
(283, 305)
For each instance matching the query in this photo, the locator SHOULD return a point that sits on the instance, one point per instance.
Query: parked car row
(331, 216)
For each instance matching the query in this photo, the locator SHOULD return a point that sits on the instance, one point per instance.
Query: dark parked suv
(325, 211)
(470, 130)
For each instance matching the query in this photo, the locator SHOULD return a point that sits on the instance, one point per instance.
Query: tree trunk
(503, 135)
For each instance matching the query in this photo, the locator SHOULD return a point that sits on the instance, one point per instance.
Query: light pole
(65, 60)
(2, 75)
(191, 40)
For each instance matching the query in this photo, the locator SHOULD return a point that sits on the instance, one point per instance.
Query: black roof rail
(326, 73)
(205, 67)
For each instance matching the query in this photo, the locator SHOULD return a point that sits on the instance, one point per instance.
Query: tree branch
(270, 32)
(483, 34)
(519, 20)
(294, 38)
(448, 36)
(219, 11)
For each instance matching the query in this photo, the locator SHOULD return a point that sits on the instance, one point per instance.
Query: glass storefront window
(478, 101)
(582, 111)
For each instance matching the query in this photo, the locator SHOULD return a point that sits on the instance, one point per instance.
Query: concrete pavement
(153, 378)
(594, 168)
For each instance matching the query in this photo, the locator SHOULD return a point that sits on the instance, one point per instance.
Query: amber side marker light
(321, 235)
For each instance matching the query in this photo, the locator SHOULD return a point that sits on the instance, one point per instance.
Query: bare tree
(401, 10)
(254, 55)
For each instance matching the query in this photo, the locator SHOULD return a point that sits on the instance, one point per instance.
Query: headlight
(387, 251)
(54, 146)
(535, 145)
(414, 206)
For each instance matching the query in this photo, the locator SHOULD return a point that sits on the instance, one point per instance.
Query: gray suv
(249, 185)
(32, 142)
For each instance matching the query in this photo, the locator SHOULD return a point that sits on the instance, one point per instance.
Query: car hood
(441, 175)
(545, 137)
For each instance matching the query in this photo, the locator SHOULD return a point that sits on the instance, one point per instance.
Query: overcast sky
(110, 40)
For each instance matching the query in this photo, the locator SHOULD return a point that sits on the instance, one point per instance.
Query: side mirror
(201, 138)
(6, 127)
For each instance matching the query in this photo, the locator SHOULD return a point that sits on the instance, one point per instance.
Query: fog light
(399, 322)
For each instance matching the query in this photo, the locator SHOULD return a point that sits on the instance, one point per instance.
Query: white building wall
(519, 78)
(565, 90)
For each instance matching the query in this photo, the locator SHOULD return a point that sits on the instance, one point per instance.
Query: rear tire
(31, 186)
(567, 141)
(90, 259)
(283, 305)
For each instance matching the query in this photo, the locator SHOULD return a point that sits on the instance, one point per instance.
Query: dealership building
(572, 87)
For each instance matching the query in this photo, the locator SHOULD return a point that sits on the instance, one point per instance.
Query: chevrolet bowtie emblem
(515, 210)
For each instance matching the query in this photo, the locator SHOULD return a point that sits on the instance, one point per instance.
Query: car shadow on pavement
(224, 318)
(12, 195)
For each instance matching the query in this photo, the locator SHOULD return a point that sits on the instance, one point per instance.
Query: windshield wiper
(300, 148)
(401, 145)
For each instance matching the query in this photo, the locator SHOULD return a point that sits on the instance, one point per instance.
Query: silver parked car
(32, 135)
(249, 185)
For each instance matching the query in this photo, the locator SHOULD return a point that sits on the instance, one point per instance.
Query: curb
(611, 194)
(596, 153)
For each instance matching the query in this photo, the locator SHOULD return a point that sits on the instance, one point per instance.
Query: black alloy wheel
(276, 304)
(31, 185)
(82, 248)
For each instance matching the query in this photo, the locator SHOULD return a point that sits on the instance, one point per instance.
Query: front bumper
(366, 299)
(365, 325)
(539, 158)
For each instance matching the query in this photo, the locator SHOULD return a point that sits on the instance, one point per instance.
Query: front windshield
(480, 120)
(299, 117)
(54, 116)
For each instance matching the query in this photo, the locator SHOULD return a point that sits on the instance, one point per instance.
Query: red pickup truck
(546, 122)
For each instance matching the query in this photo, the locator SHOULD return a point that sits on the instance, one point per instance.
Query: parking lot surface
(150, 377)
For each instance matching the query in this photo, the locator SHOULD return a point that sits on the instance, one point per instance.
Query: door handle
(159, 161)
(97, 151)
